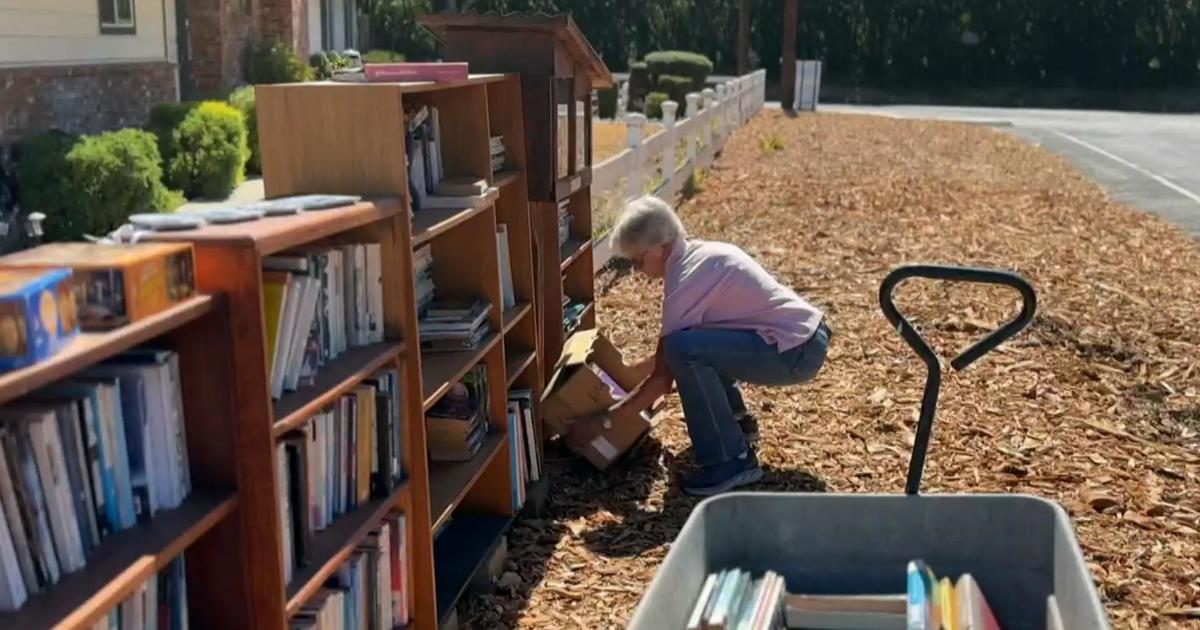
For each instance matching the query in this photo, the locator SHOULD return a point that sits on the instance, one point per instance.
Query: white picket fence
(661, 163)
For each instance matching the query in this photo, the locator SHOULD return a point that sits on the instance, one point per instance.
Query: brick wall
(81, 99)
(286, 20)
(218, 33)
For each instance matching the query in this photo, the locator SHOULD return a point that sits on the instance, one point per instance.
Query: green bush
(654, 101)
(206, 151)
(276, 62)
(91, 184)
(680, 63)
(639, 81)
(382, 56)
(243, 99)
(676, 88)
(606, 102)
(165, 118)
(325, 63)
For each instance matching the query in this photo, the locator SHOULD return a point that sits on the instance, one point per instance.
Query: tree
(787, 72)
(743, 44)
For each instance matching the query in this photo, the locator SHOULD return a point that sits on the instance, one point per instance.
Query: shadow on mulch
(632, 522)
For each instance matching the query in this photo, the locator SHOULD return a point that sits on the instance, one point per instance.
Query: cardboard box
(590, 376)
(117, 284)
(37, 315)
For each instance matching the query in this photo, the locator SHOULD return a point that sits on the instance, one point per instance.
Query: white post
(668, 157)
(693, 110)
(722, 109)
(622, 100)
(634, 124)
(709, 103)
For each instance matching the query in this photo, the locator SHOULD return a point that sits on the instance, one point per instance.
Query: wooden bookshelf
(309, 148)
(204, 525)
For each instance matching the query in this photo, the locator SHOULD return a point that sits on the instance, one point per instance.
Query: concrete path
(249, 191)
(1149, 161)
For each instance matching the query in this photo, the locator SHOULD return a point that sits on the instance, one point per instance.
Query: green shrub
(243, 99)
(165, 118)
(639, 82)
(681, 63)
(675, 87)
(91, 184)
(382, 56)
(654, 101)
(325, 63)
(207, 150)
(606, 102)
(276, 62)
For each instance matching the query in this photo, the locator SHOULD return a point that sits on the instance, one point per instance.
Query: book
(19, 534)
(973, 610)
(12, 582)
(414, 71)
(508, 296)
(461, 187)
(27, 493)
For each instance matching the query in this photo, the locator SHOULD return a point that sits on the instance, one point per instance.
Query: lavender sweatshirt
(717, 285)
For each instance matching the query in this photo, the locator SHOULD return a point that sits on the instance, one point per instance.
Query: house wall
(67, 32)
(58, 71)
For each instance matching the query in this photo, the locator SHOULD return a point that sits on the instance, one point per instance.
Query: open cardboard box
(590, 376)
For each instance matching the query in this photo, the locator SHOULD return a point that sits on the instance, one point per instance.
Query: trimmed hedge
(276, 62)
(654, 101)
(382, 56)
(204, 149)
(680, 63)
(325, 63)
(606, 103)
(676, 88)
(243, 99)
(91, 184)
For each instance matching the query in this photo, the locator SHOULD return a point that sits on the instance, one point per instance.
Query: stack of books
(402, 72)
(423, 146)
(456, 425)
(369, 591)
(160, 603)
(526, 461)
(564, 221)
(319, 304)
(454, 326)
(735, 599)
(496, 147)
(423, 278)
(86, 458)
(344, 456)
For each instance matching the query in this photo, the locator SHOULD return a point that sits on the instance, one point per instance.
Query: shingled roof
(561, 25)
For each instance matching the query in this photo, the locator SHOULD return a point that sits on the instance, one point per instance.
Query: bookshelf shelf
(573, 250)
(508, 176)
(122, 564)
(516, 363)
(460, 550)
(89, 348)
(449, 482)
(514, 315)
(332, 546)
(439, 370)
(428, 224)
(333, 379)
(271, 235)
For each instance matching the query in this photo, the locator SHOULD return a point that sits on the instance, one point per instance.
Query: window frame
(117, 27)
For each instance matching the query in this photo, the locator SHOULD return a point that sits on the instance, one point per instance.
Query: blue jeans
(708, 364)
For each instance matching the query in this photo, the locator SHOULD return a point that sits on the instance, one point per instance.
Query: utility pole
(787, 69)
(743, 49)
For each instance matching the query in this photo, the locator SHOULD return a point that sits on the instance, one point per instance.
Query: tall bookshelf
(205, 525)
(559, 69)
(349, 138)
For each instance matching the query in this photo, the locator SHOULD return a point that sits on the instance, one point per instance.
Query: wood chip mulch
(1096, 405)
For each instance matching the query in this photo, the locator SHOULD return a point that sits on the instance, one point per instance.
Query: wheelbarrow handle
(933, 380)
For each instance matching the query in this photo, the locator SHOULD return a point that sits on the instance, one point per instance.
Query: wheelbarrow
(1020, 549)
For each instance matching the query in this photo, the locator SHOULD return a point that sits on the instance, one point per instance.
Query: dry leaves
(1096, 405)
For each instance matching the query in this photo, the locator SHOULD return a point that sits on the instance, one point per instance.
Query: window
(117, 17)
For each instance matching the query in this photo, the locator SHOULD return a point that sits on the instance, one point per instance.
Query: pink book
(401, 72)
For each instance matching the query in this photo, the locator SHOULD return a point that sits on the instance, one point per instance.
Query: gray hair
(646, 222)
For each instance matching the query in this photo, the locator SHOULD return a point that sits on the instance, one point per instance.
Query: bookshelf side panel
(236, 271)
(506, 118)
(331, 139)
